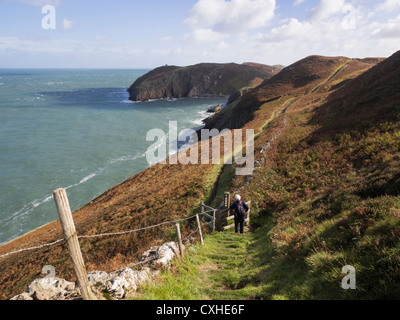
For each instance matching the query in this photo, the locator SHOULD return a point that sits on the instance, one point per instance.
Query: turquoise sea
(74, 129)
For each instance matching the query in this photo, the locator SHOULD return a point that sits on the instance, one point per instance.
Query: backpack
(241, 211)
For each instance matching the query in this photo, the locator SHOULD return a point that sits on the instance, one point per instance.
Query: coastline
(181, 146)
(178, 98)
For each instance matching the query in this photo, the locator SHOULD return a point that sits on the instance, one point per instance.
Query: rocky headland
(201, 80)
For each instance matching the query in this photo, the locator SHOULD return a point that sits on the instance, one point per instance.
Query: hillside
(328, 191)
(158, 194)
(326, 195)
(201, 80)
(300, 77)
(325, 192)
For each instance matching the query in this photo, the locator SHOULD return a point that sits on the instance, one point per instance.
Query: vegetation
(325, 195)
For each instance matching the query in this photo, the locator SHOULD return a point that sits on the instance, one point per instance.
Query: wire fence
(111, 234)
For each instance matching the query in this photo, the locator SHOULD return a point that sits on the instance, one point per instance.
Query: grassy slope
(158, 194)
(328, 196)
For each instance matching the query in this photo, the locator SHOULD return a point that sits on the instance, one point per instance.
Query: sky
(150, 33)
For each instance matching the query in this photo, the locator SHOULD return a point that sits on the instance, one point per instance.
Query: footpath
(221, 269)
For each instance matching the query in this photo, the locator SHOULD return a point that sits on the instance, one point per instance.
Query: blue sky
(147, 34)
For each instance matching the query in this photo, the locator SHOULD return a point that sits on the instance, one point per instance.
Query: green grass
(224, 184)
(216, 271)
(321, 204)
(239, 267)
(252, 266)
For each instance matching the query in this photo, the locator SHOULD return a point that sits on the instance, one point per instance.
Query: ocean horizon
(74, 129)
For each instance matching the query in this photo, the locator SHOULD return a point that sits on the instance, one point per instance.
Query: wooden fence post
(248, 213)
(202, 207)
(178, 230)
(214, 217)
(68, 226)
(227, 200)
(199, 226)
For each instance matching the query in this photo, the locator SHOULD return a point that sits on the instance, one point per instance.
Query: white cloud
(389, 30)
(205, 35)
(40, 3)
(167, 39)
(102, 37)
(234, 15)
(326, 9)
(68, 24)
(298, 2)
(389, 5)
(293, 30)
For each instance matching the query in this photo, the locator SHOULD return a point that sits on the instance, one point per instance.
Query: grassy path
(222, 269)
(226, 256)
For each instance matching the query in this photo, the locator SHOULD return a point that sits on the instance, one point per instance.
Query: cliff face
(201, 80)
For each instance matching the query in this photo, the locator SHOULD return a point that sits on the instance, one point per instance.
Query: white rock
(165, 254)
(51, 288)
(22, 296)
(98, 279)
(125, 281)
(118, 284)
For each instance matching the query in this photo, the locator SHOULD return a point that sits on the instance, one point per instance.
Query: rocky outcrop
(201, 80)
(215, 109)
(118, 284)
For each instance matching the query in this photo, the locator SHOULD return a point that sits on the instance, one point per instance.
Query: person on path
(241, 210)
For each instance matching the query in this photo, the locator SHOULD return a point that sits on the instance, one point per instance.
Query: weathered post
(178, 231)
(68, 226)
(227, 200)
(199, 226)
(214, 218)
(248, 213)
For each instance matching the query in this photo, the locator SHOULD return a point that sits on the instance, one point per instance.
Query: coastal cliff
(201, 80)
(324, 194)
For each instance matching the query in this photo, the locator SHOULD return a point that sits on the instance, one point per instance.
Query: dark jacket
(235, 205)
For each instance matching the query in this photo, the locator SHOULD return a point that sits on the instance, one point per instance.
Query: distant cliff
(201, 80)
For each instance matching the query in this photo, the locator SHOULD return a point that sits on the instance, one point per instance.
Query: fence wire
(100, 235)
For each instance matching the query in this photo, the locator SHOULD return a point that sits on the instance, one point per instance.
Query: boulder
(49, 288)
(161, 256)
(123, 282)
(118, 284)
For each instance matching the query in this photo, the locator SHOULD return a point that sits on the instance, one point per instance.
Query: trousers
(239, 224)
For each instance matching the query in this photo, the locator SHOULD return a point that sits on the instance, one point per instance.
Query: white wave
(127, 158)
(87, 178)
(37, 203)
(198, 122)
(27, 209)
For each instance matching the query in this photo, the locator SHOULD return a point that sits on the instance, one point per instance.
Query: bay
(74, 129)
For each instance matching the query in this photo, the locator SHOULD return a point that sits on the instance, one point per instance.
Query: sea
(78, 130)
